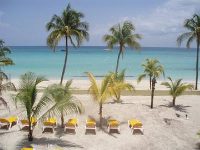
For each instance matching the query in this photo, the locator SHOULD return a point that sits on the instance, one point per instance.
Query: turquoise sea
(178, 62)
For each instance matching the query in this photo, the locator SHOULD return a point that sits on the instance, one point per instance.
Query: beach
(162, 128)
(99, 75)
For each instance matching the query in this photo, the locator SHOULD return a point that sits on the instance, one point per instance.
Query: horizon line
(100, 46)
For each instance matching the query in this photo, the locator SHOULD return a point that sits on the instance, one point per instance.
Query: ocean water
(178, 62)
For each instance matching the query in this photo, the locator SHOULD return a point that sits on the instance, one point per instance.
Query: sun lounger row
(71, 124)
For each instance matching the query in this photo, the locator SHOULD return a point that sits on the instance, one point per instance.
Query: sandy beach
(162, 128)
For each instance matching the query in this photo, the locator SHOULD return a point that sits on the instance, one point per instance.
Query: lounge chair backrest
(4, 120)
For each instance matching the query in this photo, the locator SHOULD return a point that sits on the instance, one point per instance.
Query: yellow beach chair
(25, 123)
(8, 122)
(27, 148)
(113, 124)
(50, 123)
(71, 124)
(90, 125)
(135, 124)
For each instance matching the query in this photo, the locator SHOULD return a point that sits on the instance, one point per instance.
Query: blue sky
(22, 22)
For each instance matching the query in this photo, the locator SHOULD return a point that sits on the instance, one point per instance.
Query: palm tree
(122, 35)
(152, 68)
(4, 86)
(4, 60)
(118, 84)
(70, 27)
(100, 93)
(193, 25)
(27, 96)
(65, 103)
(176, 88)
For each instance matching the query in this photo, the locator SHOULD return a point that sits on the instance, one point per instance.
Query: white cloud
(167, 18)
(159, 27)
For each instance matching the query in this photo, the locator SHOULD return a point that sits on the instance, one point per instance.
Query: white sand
(84, 84)
(180, 134)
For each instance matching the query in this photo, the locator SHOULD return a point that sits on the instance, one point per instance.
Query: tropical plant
(193, 25)
(4, 50)
(5, 61)
(118, 84)
(122, 35)
(152, 68)
(27, 96)
(100, 93)
(4, 86)
(65, 102)
(176, 88)
(70, 27)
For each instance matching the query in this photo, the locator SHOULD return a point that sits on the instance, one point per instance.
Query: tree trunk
(30, 134)
(119, 97)
(197, 64)
(100, 115)
(152, 96)
(150, 81)
(119, 54)
(174, 100)
(62, 120)
(65, 62)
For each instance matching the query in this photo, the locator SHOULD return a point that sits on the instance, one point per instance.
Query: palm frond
(140, 77)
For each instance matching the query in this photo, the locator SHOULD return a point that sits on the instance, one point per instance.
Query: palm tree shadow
(197, 146)
(59, 132)
(45, 141)
(104, 127)
(180, 108)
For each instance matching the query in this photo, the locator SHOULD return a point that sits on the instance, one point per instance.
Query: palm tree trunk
(119, 54)
(62, 120)
(197, 65)
(152, 95)
(65, 62)
(30, 134)
(150, 81)
(100, 115)
(174, 100)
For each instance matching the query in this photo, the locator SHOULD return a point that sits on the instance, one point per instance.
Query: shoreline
(80, 87)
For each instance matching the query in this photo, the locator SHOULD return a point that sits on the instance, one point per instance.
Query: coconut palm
(122, 35)
(4, 50)
(118, 84)
(4, 86)
(152, 68)
(4, 61)
(27, 96)
(65, 103)
(70, 27)
(100, 93)
(193, 25)
(176, 88)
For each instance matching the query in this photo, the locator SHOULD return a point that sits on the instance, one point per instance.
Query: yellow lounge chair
(50, 123)
(8, 121)
(25, 123)
(71, 124)
(135, 125)
(90, 125)
(113, 124)
(28, 148)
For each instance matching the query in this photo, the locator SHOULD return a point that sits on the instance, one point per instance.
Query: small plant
(176, 88)
(118, 84)
(65, 102)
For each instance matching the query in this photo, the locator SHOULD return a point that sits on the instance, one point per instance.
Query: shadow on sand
(197, 146)
(104, 126)
(180, 108)
(45, 141)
